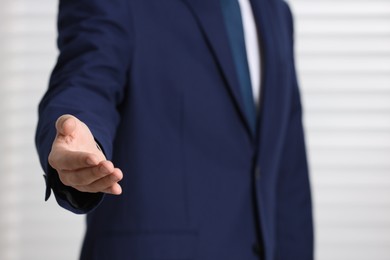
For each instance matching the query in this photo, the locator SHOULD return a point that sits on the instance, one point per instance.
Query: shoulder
(288, 14)
(286, 19)
(285, 14)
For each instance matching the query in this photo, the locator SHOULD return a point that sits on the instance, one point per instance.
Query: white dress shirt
(252, 47)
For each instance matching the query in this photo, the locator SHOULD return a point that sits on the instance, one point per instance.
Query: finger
(72, 160)
(66, 125)
(86, 176)
(108, 184)
(115, 189)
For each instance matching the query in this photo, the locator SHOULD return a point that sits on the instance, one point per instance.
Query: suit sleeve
(88, 81)
(295, 225)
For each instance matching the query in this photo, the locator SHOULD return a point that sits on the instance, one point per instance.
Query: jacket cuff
(68, 197)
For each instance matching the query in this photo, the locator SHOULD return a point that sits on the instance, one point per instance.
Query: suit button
(257, 250)
(257, 173)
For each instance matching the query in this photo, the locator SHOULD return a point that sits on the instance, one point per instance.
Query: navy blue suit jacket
(155, 82)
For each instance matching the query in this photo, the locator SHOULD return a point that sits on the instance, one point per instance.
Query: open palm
(78, 160)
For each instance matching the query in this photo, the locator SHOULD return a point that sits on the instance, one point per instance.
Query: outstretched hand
(78, 160)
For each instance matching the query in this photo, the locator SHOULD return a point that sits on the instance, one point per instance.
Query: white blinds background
(30, 229)
(343, 57)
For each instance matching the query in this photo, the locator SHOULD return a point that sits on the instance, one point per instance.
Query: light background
(343, 58)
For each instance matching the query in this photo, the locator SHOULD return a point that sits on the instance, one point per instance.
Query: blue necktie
(233, 21)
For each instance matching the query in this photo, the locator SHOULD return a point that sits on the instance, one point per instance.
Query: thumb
(66, 125)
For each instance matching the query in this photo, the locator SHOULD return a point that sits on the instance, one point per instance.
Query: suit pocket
(180, 245)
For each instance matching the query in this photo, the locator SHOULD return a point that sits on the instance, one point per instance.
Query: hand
(78, 160)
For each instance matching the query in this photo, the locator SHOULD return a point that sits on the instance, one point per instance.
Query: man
(157, 102)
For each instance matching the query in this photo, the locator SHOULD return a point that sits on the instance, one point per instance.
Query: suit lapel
(276, 79)
(209, 16)
(275, 106)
